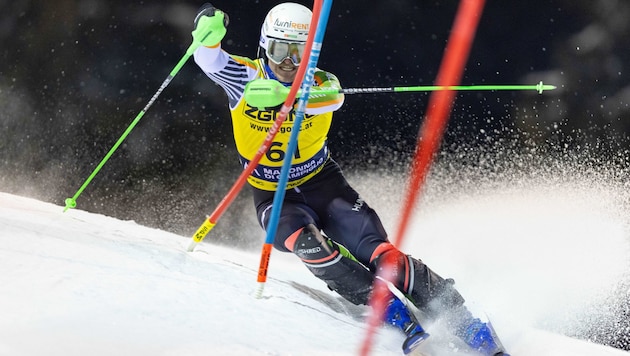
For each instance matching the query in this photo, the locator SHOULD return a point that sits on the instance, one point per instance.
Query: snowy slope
(77, 283)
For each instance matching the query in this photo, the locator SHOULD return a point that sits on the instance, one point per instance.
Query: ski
(412, 342)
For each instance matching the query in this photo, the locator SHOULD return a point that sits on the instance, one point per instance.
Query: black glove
(210, 24)
(208, 9)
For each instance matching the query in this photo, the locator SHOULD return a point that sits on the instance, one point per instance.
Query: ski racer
(322, 216)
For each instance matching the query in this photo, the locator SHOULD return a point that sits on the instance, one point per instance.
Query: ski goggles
(277, 51)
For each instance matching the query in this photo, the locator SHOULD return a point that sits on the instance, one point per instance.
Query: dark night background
(74, 74)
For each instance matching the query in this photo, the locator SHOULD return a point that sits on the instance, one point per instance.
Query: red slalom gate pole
(440, 105)
(211, 221)
(430, 136)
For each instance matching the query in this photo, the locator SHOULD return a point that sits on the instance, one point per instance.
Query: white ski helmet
(286, 22)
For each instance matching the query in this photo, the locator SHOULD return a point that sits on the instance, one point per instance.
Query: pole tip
(259, 291)
(540, 87)
(192, 245)
(71, 203)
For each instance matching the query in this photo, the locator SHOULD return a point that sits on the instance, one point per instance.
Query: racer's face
(285, 71)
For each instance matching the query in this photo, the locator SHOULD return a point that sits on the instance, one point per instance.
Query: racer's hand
(265, 93)
(210, 25)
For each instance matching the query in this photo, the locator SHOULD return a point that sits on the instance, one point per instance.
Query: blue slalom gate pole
(278, 197)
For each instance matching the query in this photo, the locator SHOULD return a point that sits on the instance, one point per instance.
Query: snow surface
(78, 283)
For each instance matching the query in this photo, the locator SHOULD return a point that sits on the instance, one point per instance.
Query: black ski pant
(333, 206)
(326, 202)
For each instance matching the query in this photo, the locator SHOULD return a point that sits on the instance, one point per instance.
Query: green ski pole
(72, 202)
(268, 93)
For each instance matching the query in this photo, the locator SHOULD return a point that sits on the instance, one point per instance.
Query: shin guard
(343, 275)
(430, 293)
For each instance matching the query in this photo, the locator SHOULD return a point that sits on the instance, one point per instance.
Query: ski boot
(481, 337)
(399, 316)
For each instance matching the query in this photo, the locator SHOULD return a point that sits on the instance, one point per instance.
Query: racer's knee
(309, 245)
(293, 218)
(343, 275)
(279, 242)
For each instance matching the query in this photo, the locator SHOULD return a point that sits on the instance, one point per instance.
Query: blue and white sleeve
(231, 73)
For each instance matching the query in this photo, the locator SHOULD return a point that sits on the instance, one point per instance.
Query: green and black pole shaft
(72, 202)
(268, 93)
(540, 87)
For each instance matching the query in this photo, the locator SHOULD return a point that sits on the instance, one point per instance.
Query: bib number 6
(276, 153)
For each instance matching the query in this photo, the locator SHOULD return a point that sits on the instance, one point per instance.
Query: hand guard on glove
(210, 25)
